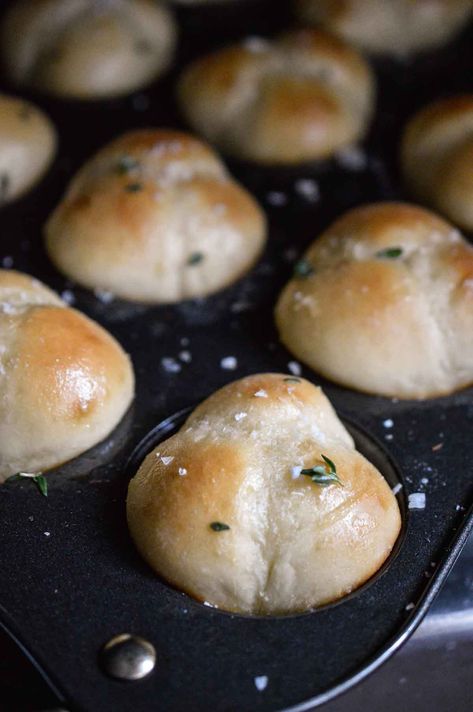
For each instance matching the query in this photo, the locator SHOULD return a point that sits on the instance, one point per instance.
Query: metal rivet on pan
(128, 657)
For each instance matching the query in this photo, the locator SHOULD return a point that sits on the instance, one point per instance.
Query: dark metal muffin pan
(71, 578)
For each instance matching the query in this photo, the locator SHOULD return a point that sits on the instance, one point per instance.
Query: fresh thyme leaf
(219, 527)
(303, 268)
(330, 463)
(38, 478)
(292, 379)
(323, 475)
(390, 253)
(125, 164)
(42, 484)
(195, 258)
(134, 187)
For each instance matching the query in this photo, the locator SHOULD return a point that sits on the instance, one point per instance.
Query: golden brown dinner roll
(437, 157)
(27, 146)
(225, 511)
(383, 302)
(299, 98)
(64, 381)
(155, 217)
(86, 49)
(396, 27)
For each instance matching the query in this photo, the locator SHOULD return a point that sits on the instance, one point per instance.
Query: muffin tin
(72, 578)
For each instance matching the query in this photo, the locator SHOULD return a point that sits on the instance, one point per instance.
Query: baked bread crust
(298, 98)
(291, 544)
(27, 146)
(86, 49)
(397, 27)
(155, 217)
(65, 383)
(386, 303)
(437, 157)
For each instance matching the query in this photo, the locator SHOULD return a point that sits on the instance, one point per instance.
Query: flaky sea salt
(260, 394)
(182, 471)
(261, 682)
(240, 416)
(276, 198)
(353, 158)
(68, 296)
(166, 460)
(256, 44)
(308, 188)
(104, 296)
(170, 364)
(296, 471)
(397, 488)
(388, 423)
(417, 500)
(294, 368)
(185, 356)
(229, 363)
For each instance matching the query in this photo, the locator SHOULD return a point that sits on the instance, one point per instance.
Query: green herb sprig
(303, 268)
(323, 475)
(36, 477)
(195, 258)
(134, 187)
(125, 164)
(219, 527)
(390, 253)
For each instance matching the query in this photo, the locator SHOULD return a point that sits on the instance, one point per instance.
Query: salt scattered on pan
(104, 296)
(410, 606)
(353, 158)
(397, 488)
(47, 533)
(229, 363)
(7, 262)
(424, 481)
(185, 356)
(260, 394)
(256, 44)
(296, 471)
(308, 188)
(182, 471)
(417, 500)
(68, 296)
(240, 416)
(388, 423)
(238, 307)
(166, 460)
(170, 364)
(294, 368)
(459, 508)
(389, 436)
(276, 198)
(210, 605)
(261, 682)
(184, 341)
